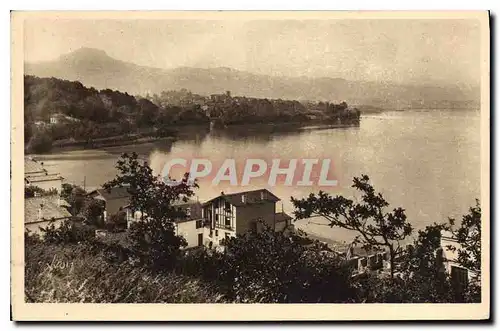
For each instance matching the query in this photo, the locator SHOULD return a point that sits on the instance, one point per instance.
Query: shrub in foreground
(79, 273)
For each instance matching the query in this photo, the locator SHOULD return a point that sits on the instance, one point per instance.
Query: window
(199, 224)
(216, 233)
(188, 212)
(200, 239)
(216, 217)
(228, 206)
(228, 222)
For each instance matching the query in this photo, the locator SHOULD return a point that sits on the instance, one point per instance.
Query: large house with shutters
(228, 215)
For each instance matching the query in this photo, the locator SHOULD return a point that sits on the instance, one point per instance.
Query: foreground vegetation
(71, 265)
(94, 273)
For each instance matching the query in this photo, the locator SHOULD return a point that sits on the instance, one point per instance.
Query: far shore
(140, 138)
(106, 142)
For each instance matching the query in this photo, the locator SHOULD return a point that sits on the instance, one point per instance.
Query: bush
(117, 222)
(32, 190)
(155, 244)
(201, 262)
(69, 232)
(93, 212)
(270, 267)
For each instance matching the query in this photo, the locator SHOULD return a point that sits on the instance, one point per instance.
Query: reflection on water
(264, 133)
(427, 163)
(193, 134)
(143, 150)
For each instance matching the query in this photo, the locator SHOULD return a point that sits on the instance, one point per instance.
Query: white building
(449, 258)
(191, 227)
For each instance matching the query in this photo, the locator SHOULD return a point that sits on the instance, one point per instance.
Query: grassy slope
(72, 274)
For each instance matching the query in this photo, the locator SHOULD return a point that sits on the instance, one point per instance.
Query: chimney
(222, 193)
(243, 198)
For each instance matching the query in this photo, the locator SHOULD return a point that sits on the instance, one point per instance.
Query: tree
(155, 243)
(75, 196)
(40, 142)
(268, 266)
(423, 276)
(28, 130)
(153, 237)
(376, 227)
(66, 190)
(68, 232)
(117, 222)
(32, 190)
(147, 112)
(468, 236)
(93, 212)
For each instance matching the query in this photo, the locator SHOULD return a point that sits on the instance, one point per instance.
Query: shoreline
(334, 245)
(141, 138)
(74, 146)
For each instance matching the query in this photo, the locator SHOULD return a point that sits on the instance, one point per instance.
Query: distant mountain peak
(94, 67)
(87, 52)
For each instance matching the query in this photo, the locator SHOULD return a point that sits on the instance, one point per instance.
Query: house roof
(251, 197)
(50, 209)
(32, 166)
(35, 178)
(180, 202)
(281, 217)
(113, 193)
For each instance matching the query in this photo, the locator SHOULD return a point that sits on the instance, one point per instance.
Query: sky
(404, 51)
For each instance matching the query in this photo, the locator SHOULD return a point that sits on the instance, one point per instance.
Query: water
(426, 162)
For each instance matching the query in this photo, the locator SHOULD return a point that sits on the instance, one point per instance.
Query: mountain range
(94, 67)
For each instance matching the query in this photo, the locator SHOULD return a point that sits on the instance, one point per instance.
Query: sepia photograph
(336, 162)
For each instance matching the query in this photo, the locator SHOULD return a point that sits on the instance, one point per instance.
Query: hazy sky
(392, 50)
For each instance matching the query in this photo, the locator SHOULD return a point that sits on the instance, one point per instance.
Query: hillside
(69, 112)
(95, 68)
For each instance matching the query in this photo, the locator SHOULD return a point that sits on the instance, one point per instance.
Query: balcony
(224, 226)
